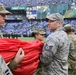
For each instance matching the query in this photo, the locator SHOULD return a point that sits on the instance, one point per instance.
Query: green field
(26, 38)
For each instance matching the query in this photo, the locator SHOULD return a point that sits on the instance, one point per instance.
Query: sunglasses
(42, 34)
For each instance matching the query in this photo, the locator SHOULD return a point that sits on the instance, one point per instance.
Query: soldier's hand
(19, 56)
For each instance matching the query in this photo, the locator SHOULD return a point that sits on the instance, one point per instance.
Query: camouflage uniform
(72, 56)
(55, 53)
(4, 70)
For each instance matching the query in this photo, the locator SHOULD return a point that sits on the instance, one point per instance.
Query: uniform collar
(58, 29)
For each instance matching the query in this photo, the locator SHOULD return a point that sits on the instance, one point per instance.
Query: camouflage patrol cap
(3, 10)
(54, 16)
(67, 27)
(40, 31)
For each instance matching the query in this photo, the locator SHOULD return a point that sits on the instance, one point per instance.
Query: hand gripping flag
(32, 49)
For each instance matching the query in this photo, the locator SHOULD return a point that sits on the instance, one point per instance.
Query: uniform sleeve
(48, 52)
(71, 47)
(12, 65)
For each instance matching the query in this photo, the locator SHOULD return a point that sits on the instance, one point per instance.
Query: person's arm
(12, 65)
(4, 70)
(72, 48)
(18, 58)
(48, 52)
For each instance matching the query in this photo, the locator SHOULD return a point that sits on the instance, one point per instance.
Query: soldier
(4, 70)
(72, 56)
(38, 34)
(54, 57)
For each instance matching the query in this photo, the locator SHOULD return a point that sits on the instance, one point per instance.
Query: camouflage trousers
(72, 72)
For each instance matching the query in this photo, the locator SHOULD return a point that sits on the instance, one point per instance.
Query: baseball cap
(54, 16)
(3, 10)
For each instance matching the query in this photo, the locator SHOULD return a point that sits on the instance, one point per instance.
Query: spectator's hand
(19, 56)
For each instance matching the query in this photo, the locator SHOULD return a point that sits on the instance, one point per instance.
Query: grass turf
(26, 38)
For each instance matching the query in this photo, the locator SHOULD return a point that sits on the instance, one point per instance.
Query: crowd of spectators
(32, 2)
(25, 29)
